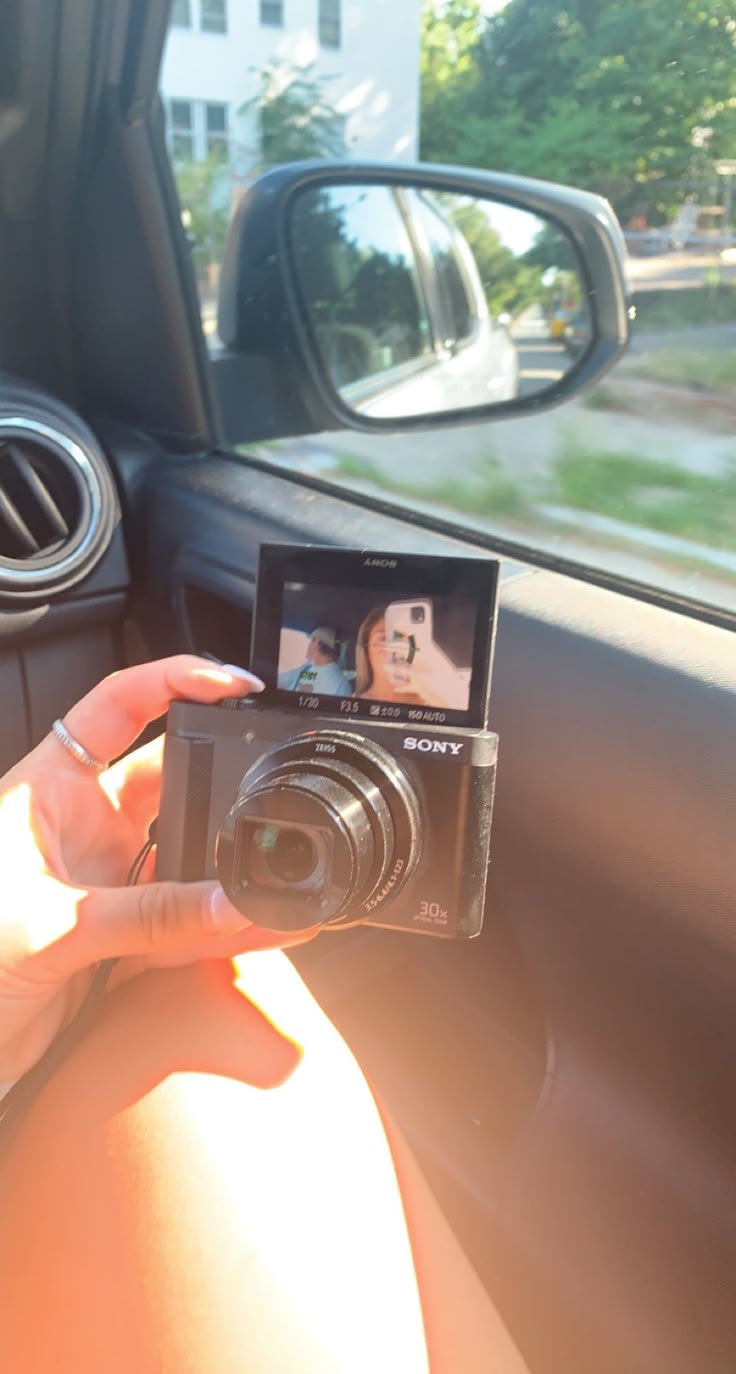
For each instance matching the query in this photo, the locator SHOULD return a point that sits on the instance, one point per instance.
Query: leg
(161, 1213)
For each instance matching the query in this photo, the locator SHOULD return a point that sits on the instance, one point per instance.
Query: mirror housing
(263, 315)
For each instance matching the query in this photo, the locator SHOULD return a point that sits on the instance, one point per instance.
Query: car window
(635, 101)
(362, 281)
(457, 305)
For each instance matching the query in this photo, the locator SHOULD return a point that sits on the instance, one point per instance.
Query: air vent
(56, 506)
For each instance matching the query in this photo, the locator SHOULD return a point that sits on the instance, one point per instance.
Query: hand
(436, 681)
(68, 837)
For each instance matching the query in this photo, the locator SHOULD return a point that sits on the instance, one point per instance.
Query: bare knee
(190, 1193)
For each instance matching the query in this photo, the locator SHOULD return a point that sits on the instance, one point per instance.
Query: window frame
(197, 132)
(329, 23)
(271, 5)
(173, 132)
(206, 380)
(217, 136)
(209, 28)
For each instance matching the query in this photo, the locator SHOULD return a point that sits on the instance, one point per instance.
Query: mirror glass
(422, 301)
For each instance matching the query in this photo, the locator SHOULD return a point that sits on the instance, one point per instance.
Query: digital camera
(358, 787)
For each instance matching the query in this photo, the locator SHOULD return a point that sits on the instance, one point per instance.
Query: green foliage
(688, 306)
(205, 203)
(616, 95)
(688, 367)
(450, 74)
(488, 491)
(297, 119)
(508, 282)
(654, 494)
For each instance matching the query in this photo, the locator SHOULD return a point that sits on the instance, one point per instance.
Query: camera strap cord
(21, 1095)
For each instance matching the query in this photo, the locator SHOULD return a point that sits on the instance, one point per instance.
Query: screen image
(366, 633)
(382, 648)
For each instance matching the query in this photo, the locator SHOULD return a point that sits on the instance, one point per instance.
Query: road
(673, 271)
(542, 360)
(540, 364)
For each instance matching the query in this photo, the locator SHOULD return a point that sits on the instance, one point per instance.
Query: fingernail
(220, 914)
(255, 682)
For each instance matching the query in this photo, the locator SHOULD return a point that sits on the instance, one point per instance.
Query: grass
(608, 396)
(487, 491)
(689, 367)
(687, 306)
(647, 493)
(651, 494)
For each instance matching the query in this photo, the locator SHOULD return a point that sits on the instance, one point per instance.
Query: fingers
(133, 784)
(112, 716)
(167, 922)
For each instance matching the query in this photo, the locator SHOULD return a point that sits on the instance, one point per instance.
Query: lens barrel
(325, 829)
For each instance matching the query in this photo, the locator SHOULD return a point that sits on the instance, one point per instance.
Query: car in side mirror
(395, 298)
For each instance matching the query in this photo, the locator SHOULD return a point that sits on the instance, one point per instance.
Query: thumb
(157, 918)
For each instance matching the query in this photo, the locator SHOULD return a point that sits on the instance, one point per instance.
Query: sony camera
(359, 786)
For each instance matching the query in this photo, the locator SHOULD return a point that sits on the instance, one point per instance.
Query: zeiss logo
(380, 563)
(433, 746)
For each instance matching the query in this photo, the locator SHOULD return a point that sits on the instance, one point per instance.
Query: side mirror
(394, 298)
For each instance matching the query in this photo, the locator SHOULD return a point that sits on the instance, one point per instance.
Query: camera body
(358, 787)
(425, 861)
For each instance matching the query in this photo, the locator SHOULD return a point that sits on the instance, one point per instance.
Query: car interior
(566, 1080)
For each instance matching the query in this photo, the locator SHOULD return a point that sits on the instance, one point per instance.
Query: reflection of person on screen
(385, 673)
(320, 673)
(374, 679)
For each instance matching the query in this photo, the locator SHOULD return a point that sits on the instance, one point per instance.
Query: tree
(204, 194)
(450, 73)
(509, 282)
(296, 118)
(602, 93)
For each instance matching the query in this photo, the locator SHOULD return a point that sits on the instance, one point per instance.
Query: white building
(217, 49)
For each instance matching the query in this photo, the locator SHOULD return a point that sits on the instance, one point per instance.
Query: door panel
(567, 1079)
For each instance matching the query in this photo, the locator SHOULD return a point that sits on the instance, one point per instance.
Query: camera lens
(325, 830)
(290, 854)
(417, 615)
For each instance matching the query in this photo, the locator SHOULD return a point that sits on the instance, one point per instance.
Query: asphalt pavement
(670, 271)
(541, 363)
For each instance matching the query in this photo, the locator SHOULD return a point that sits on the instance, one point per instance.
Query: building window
(215, 123)
(181, 15)
(181, 130)
(272, 13)
(329, 23)
(198, 130)
(213, 16)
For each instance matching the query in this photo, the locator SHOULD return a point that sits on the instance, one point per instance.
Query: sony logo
(380, 563)
(432, 746)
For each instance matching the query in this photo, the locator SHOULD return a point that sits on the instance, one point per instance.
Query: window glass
(213, 16)
(329, 23)
(181, 130)
(272, 13)
(632, 99)
(181, 15)
(457, 310)
(361, 282)
(216, 130)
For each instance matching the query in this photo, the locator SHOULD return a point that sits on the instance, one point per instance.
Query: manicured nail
(255, 682)
(220, 914)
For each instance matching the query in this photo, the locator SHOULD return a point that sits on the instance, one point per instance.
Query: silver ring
(76, 749)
